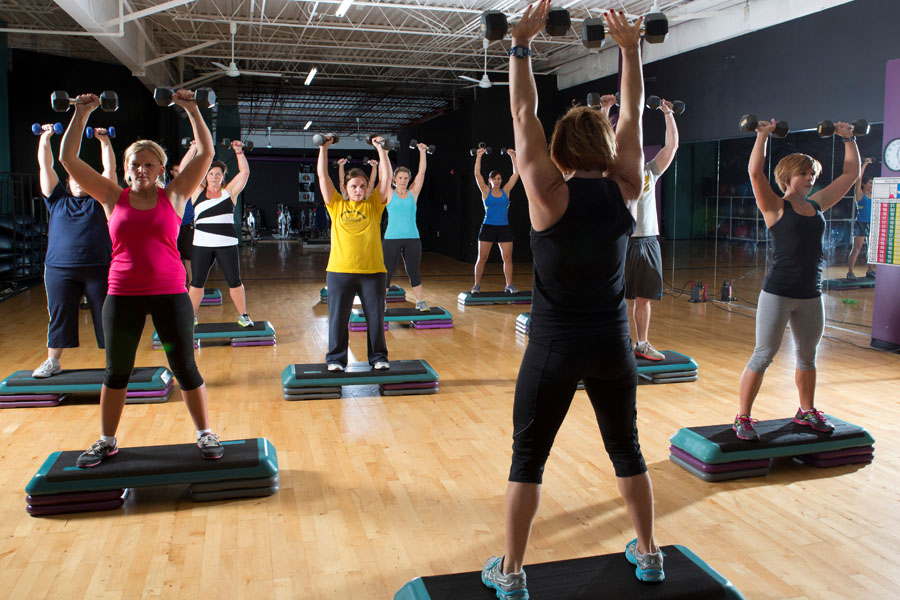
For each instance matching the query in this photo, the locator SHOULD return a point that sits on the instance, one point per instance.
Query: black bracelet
(852, 138)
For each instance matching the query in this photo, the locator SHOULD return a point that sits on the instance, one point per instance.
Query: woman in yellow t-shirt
(356, 263)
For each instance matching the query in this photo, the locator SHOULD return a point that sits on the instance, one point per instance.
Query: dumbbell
(186, 141)
(38, 129)
(110, 131)
(248, 145)
(655, 29)
(413, 144)
(487, 149)
(320, 138)
(593, 99)
(60, 101)
(494, 24)
(826, 128)
(205, 97)
(503, 151)
(387, 143)
(655, 103)
(750, 122)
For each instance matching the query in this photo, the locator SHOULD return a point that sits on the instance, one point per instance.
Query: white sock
(202, 432)
(109, 439)
(53, 361)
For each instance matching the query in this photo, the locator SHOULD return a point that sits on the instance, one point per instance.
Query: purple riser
(151, 393)
(70, 497)
(158, 346)
(62, 509)
(362, 327)
(836, 462)
(210, 302)
(431, 325)
(30, 397)
(25, 404)
(521, 302)
(415, 385)
(840, 453)
(719, 467)
(266, 343)
(396, 299)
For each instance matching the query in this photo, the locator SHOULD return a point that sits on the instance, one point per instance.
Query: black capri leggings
(547, 380)
(202, 258)
(411, 250)
(123, 323)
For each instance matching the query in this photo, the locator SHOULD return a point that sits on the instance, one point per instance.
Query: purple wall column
(886, 312)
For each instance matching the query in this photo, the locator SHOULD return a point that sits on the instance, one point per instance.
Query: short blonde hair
(143, 145)
(399, 170)
(792, 164)
(583, 139)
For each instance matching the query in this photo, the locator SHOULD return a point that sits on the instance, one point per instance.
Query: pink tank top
(145, 258)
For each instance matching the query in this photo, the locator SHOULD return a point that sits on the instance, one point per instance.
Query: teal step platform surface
(149, 466)
(405, 315)
(497, 297)
(314, 380)
(394, 294)
(82, 380)
(610, 576)
(229, 331)
(848, 284)
(716, 444)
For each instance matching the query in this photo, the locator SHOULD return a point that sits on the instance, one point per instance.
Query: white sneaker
(421, 305)
(48, 367)
(245, 321)
(335, 367)
(511, 289)
(476, 288)
(381, 365)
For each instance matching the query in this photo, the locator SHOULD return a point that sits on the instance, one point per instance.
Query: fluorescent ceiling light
(343, 8)
(308, 123)
(309, 78)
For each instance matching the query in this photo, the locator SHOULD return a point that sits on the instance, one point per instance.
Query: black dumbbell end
(860, 127)
(656, 28)
(825, 128)
(493, 25)
(592, 33)
(109, 101)
(678, 107)
(748, 123)
(558, 22)
(781, 129)
(593, 99)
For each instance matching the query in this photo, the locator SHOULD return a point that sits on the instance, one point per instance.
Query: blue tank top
(188, 218)
(864, 210)
(401, 218)
(78, 234)
(496, 209)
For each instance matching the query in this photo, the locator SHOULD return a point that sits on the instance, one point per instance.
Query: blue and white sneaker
(647, 567)
(510, 585)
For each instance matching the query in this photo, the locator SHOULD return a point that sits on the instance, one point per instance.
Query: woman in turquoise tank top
(495, 228)
(402, 235)
(863, 196)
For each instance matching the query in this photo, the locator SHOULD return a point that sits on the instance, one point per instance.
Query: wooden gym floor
(378, 490)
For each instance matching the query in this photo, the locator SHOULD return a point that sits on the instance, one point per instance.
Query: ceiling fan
(484, 82)
(232, 70)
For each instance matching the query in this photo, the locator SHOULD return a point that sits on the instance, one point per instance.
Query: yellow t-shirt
(356, 235)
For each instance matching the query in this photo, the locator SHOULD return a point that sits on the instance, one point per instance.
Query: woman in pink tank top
(146, 275)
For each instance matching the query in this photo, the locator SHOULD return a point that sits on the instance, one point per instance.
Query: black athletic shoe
(94, 455)
(210, 446)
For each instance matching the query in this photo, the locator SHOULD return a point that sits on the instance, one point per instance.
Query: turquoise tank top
(496, 208)
(401, 218)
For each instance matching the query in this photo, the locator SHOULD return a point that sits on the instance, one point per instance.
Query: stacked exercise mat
(394, 294)
(211, 297)
(314, 381)
(433, 318)
(260, 333)
(523, 323)
(249, 469)
(146, 385)
(714, 452)
(500, 297)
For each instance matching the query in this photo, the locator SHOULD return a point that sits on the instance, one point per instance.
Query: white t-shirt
(644, 210)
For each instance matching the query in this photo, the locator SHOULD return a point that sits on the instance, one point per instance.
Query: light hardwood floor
(378, 490)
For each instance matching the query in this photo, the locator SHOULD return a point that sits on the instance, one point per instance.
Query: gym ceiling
(389, 63)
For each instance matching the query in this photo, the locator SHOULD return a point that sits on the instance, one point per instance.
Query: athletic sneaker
(745, 428)
(851, 277)
(381, 365)
(648, 567)
(422, 305)
(476, 288)
(210, 447)
(196, 321)
(870, 274)
(48, 367)
(510, 585)
(645, 350)
(94, 455)
(815, 419)
(510, 289)
(335, 367)
(245, 321)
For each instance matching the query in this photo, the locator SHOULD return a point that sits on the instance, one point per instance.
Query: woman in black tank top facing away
(792, 289)
(580, 231)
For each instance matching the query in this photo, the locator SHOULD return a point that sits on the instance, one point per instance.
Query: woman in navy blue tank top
(495, 228)
(792, 289)
(580, 230)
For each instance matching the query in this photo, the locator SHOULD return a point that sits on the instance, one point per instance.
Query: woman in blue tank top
(863, 196)
(402, 235)
(792, 290)
(495, 228)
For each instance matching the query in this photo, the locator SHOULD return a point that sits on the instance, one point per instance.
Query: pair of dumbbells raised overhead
(750, 123)
(413, 144)
(652, 102)
(204, 97)
(248, 145)
(474, 151)
(336, 163)
(655, 27)
(60, 101)
(826, 128)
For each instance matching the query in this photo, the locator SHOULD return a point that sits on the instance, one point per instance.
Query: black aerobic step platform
(311, 381)
(211, 297)
(261, 333)
(714, 452)
(499, 297)
(675, 368)
(848, 284)
(248, 469)
(610, 576)
(394, 294)
(147, 385)
(433, 318)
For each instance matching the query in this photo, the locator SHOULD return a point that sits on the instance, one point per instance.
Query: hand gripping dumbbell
(505, 151)
(494, 24)
(90, 131)
(204, 97)
(60, 101)
(826, 128)
(387, 143)
(655, 29)
(248, 145)
(750, 122)
(595, 99)
(38, 129)
(320, 138)
(413, 144)
(655, 103)
(473, 151)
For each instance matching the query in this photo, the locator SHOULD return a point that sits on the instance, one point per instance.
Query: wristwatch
(852, 138)
(520, 51)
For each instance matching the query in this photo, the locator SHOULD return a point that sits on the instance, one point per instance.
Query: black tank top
(798, 258)
(579, 265)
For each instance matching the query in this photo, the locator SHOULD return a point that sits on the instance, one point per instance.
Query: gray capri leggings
(773, 313)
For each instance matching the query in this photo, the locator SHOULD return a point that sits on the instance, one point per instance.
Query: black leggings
(547, 380)
(411, 250)
(202, 258)
(123, 323)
